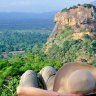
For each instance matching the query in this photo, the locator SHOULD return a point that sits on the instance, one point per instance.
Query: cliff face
(74, 35)
(80, 19)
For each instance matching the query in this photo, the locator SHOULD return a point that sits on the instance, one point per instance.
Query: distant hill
(14, 15)
(26, 20)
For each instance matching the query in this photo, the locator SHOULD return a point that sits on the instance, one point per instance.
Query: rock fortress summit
(81, 19)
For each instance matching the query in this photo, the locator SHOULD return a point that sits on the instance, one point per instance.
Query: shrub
(86, 36)
(74, 7)
(87, 5)
(79, 4)
(64, 10)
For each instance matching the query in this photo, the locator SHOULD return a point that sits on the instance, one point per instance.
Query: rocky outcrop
(81, 19)
(74, 35)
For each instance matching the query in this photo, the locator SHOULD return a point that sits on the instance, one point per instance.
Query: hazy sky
(37, 5)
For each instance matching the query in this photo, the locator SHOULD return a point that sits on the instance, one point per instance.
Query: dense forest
(19, 34)
(18, 40)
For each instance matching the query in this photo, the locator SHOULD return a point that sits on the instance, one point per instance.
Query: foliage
(86, 36)
(67, 9)
(12, 69)
(64, 10)
(67, 31)
(87, 5)
(72, 50)
(79, 5)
